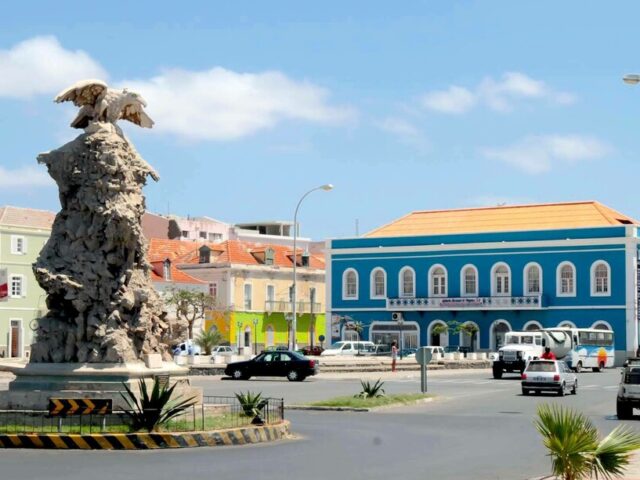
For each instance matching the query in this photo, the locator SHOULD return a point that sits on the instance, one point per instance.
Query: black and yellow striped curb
(146, 441)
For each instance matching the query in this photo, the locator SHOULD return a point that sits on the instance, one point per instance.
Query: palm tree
(207, 340)
(572, 442)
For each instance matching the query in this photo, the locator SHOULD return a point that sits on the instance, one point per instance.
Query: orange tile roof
(504, 218)
(241, 252)
(177, 275)
(26, 217)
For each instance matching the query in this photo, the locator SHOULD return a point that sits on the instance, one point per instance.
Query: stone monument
(105, 323)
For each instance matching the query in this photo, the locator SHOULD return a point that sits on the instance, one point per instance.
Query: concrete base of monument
(36, 383)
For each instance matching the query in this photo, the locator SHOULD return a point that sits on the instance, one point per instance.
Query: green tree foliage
(191, 305)
(207, 340)
(574, 448)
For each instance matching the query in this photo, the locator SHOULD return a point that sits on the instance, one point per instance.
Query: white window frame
(266, 292)
(14, 245)
(563, 323)
(372, 283)
(244, 297)
(463, 283)
(344, 284)
(213, 289)
(401, 292)
(559, 292)
(604, 322)
(494, 284)
(532, 322)
(431, 282)
(525, 278)
(594, 265)
(23, 285)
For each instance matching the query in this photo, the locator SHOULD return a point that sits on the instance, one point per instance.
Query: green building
(23, 233)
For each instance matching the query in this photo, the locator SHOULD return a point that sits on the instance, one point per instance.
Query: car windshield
(541, 367)
(336, 346)
(633, 377)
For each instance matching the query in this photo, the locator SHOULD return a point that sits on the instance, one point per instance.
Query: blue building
(501, 268)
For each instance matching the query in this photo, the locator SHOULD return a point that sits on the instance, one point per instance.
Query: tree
(207, 340)
(191, 305)
(454, 326)
(572, 442)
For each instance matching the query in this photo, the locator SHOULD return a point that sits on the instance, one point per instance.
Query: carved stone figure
(100, 103)
(94, 268)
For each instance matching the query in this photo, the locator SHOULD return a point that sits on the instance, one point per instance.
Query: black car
(274, 364)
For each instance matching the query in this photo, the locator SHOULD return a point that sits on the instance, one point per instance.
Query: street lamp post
(294, 321)
(239, 325)
(255, 336)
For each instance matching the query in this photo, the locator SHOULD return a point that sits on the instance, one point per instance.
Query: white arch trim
(372, 283)
(344, 284)
(443, 337)
(604, 322)
(476, 347)
(525, 280)
(564, 322)
(463, 293)
(559, 280)
(493, 279)
(532, 322)
(492, 340)
(430, 280)
(401, 283)
(592, 278)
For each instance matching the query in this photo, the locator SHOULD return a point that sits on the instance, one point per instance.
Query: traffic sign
(79, 406)
(423, 355)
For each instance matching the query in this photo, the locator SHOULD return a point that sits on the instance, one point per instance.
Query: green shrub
(151, 412)
(371, 391)
(251, 403)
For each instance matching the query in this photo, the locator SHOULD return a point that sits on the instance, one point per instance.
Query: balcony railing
(529, 302)
(285, 306)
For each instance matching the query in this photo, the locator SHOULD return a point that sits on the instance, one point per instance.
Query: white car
(348, 348)
(436, 352)
(549, 375)
(222, 350)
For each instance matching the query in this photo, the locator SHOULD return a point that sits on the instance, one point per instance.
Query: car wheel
(497, 373)
(561, 392)
(574, 390)
(623, 410)
(293, 376)
(238, 374)
(579, 367)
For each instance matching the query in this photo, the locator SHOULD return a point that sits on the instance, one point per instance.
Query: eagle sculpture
(99, 103)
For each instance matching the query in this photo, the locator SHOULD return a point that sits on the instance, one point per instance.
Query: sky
(402, 106)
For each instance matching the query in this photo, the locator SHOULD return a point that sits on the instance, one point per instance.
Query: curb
(357, 409)
(147, 441)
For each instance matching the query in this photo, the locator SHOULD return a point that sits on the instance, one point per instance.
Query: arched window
(438, 281)
(469, 281)
(600, 279)
(532, 326)
(350, 284)
(601, 325)
(566, 280)
(378, 283)
(407, 282)
(532, 279)
(270, 336)
(501, 280)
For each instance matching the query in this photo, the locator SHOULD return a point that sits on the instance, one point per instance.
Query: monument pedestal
(36, 383)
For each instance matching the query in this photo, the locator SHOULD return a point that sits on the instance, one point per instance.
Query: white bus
(582, 347)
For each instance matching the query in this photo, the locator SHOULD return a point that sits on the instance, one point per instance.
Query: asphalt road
(476, 428)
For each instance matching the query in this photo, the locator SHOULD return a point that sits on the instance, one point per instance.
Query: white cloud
(539, 154)
(405, 131)
(220, 104)
(40, 65)
(453, 100)
(25, 177)
(499, 95)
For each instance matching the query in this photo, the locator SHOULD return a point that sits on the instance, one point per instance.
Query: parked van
(186, 348)
(349, 348)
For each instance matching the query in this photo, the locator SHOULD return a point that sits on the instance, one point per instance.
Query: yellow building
(253, 285)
